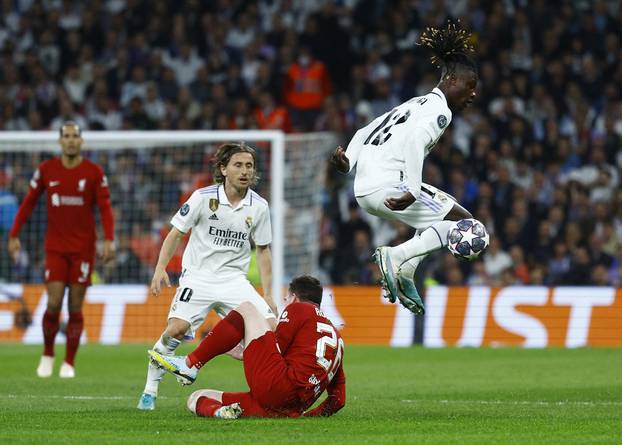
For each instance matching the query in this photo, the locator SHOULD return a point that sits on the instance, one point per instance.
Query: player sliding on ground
(389, 152)
(223, 219)
(286, 370)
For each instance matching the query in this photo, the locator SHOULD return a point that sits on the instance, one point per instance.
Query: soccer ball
(467, 239)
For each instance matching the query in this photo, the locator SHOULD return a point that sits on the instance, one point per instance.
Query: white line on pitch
(520, 402)
(31, 396)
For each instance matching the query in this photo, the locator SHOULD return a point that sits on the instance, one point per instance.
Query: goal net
(150, 173)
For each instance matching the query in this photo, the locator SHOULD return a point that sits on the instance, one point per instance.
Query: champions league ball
(467, 239)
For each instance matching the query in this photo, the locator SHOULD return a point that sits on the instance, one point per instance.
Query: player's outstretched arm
(169, 246)
(340, 160)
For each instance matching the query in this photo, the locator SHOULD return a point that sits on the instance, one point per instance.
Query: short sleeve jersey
(312, 348)
(380, 150)
(72, 194)
(220, 242)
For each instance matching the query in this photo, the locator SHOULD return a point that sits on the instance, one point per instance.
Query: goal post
(294, 177)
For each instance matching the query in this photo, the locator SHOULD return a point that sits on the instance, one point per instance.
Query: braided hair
(450, 47)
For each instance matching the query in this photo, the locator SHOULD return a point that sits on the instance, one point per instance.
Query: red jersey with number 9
(313, 350)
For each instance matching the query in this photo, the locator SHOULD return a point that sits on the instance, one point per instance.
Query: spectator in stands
(548, 118)
(307, 84)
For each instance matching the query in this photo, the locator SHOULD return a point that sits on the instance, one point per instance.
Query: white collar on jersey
(440, 94)
(222, 196)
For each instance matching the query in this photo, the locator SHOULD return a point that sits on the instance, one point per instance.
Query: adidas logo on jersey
(213, 217)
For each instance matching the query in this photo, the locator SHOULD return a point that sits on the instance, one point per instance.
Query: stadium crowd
(537, 157)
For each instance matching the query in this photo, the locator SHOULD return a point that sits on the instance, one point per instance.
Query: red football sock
(206, 407)
(74, 331)
(51, 323)
(225, 335)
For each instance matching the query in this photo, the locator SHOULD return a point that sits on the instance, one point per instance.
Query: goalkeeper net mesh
(150, 174)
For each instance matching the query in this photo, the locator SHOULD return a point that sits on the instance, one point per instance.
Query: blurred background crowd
(537, 158)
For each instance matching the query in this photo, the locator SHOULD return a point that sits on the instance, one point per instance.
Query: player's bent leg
(255, 324)
(192, 401)
(224, 337)
(208, 403)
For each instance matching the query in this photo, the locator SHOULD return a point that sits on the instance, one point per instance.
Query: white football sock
(165, 345)
(431, 239)
(408, 267)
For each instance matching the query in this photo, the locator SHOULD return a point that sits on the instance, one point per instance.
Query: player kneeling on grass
(286, 370)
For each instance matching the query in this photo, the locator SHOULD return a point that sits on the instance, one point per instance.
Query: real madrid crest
(213, 204)
(249, 222)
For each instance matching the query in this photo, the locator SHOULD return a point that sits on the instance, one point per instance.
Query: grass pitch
(412, 395)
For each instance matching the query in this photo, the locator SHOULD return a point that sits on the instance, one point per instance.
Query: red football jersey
(72, 194)
(313, 350)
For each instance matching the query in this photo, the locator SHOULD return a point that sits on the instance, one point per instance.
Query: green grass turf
(412, 395)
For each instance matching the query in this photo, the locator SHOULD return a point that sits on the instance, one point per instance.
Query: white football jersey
(390, 150)
(219, 245)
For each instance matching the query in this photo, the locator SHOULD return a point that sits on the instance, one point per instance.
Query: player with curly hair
(389, 153)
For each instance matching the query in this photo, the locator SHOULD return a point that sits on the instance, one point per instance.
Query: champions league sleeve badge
(184, 209)
(441, 121)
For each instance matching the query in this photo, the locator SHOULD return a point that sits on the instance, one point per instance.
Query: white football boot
(66, 371)
(46, 365)
(176, 365)
(388, 272)
(407, 291)
(229, 412)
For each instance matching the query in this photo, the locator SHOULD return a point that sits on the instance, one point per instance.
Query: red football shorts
(70, 268)
(271, 392)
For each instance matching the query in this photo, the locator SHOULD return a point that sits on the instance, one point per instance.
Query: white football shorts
(431, 206)
(196, 296)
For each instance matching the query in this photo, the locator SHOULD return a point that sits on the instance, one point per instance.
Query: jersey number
(185, 295)
(382, 133)
(331, 341)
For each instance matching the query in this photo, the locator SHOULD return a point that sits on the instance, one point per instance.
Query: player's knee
(75, 307)
(191, 403)
(246, 308)
(458, 212)
(54, 306)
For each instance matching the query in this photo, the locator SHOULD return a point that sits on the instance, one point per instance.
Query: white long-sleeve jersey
(390, 150)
